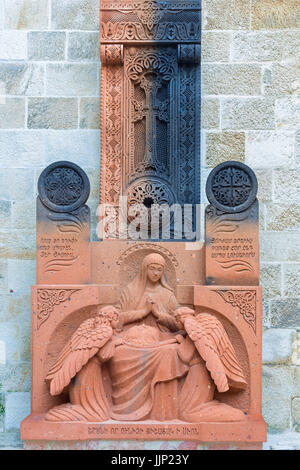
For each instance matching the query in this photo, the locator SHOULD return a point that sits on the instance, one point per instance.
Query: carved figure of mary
(156, 373)
(150, 369)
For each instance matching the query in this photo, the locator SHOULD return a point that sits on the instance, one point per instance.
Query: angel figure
(160, 361)
(78, 367)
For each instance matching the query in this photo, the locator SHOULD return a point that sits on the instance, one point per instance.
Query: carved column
(150, 101)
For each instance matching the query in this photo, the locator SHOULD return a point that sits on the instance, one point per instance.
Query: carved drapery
(150, 102)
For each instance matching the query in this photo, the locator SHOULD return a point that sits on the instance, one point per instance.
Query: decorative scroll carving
(245, 301)
(189, 54)
(48, 299)
(111, 153)
(112, 54)
(167, 21)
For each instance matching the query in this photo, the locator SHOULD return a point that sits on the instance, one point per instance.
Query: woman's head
(154, 264)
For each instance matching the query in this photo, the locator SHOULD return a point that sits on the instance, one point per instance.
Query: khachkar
(150, 102)
(120, 326)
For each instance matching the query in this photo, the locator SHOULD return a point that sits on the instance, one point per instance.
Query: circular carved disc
(63, 187)
(231, 187)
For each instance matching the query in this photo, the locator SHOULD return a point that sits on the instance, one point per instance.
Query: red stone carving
(48, 299)
(148, 345)
(245, 301)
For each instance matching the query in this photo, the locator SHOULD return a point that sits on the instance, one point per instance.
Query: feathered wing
(215, 348)
(83, 345)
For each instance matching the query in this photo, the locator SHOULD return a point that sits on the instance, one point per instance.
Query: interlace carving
(245, 301)
(63, 186)
(231, 187)
(48, 299)
(151, 105)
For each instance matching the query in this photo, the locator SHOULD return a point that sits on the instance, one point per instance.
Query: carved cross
(151, 110)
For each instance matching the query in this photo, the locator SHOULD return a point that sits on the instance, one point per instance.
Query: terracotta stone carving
(156, 349)
(232, 239)
(150, 122)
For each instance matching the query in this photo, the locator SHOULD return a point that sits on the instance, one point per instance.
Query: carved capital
(189, 53)
(112, 54)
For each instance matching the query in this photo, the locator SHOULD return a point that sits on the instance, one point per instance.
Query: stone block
(286, 186)
(21, 276)
(247, 113)
(17, 308)
(2, 412)
(282, 441)
(52, 113)
(274, 14)
(230, 14)
(46, 45)
(283, 80)
(270, 275)
(5, 214)
(296, 413)
(296, 349)
(17, 408)
(2, 353)
(231, 79)
(10, 335)
(277, 346)
(210, 113)
(265, 179)
(264, 46)
(277, 392)
(269, 149)
(75, 14)
(23, 215)
(13, 45)
(90, 113)
(83, 46)
(16, 185)
(283, 217)
(279, 246)
(22, 149)
(72, 80)
(22, 78)
(81, 146)
(94, 178)
(26, 14)
(1, 14)
(12, 113)
(297, 148)
(291, 279)
(223, 146)
(15, 377)
(20, 244)
(3, 276)
(287, 113)
(216, 46)
(285, 313)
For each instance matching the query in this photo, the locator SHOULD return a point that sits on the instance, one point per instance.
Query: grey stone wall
(49, 110)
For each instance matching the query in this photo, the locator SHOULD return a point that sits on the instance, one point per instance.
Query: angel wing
(83, 345)
(215, 348)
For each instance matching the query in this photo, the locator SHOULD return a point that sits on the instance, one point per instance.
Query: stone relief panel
(150, 125)
(148, 21)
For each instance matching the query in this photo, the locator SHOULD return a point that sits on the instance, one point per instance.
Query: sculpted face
(155, 272)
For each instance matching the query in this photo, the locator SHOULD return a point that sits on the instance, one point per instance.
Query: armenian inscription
(232, 246)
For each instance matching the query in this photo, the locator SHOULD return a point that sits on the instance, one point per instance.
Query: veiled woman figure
(155, 369)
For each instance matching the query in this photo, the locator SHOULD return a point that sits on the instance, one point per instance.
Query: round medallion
(231, 187)
(155, 195)
(63, 187)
